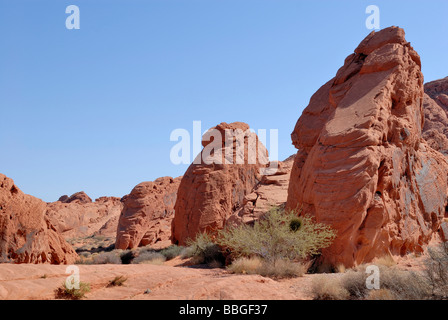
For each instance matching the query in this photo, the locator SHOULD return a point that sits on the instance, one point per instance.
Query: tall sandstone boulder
(147, 214)
(362, 165)
(211, 191)
(26, 234)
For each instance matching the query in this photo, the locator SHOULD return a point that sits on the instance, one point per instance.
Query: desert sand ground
(165, 282)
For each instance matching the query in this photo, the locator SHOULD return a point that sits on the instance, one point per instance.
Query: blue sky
(92, 109)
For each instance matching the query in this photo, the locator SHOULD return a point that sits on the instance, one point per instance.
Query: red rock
(80, 197)
(147, 213)
(26, 234)
(209, 193)
(79, 217)
(271, 191)
(435, 104)
(362, 165)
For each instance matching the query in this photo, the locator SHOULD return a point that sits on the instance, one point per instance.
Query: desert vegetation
(277, 246)
(431, 282)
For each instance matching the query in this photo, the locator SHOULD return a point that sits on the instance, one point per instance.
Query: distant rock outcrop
(362, 165)
(217, 182)
(435, 104)
(26, 234)
(147, 213)
(78, 216)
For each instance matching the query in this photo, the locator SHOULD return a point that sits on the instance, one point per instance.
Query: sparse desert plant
(203, 249)
(256, 265)
(127, 256)
(279, 235)
(172, 251)
(118, 281)
(282, 269)
(72, 294)
(403, 285)
(328, 287)
(436, 271)
(106, 258)
(245, 265)
(381, 294)
(151, 257)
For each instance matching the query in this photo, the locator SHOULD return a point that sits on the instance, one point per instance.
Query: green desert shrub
(279, 235)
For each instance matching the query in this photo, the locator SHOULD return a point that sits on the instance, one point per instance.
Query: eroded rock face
(78, 217)
(26, 234)
(271, 191)
(210, 191)
(362, 165)
(147, 213)
(435, 104)
(79, 197)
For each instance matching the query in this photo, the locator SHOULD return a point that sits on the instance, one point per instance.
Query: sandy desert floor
(164, 282)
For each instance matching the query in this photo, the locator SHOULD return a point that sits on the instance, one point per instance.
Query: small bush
(279, 235)
(204, 250)
(245, 265)
(327, 287)
(381, 294)
(282, 269)
(118, 281)
(72, 294)
(436, 271)
(106, 258)
(172, 251)
(403, 285)
(149, 257)
(255, 265)
(127, 256)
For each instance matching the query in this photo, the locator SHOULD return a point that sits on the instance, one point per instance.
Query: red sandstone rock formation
(147, 213)
(78, 216)
(435, 104)
(271, 191)
(26, 234)
(209, 191)
(362, 165)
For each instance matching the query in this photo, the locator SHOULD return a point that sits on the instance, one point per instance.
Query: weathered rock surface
(210, 191)
(80, 197)
(26, 234)
(79, 217)
(362, 165)
(435, 104)
(271, 191)
(147, 213)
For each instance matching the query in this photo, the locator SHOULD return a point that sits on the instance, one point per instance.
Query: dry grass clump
(149, 257)
(255, 265)
(328, 287)
(118, 281)
(381, 294)
(245, 265)
(72, 294)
